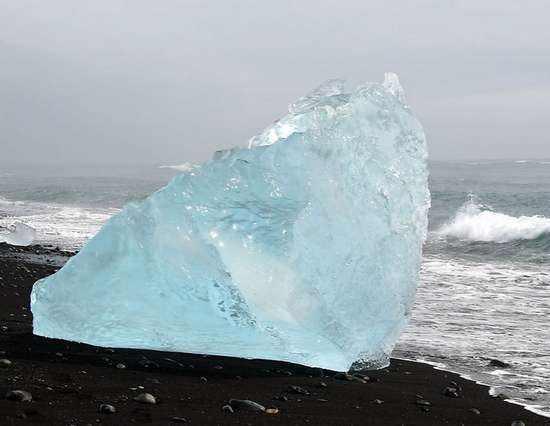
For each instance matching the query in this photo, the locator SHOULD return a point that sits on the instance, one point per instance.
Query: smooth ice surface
(303, 247)
(18, 234)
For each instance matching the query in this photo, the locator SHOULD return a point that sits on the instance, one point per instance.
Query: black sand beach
(70, 381)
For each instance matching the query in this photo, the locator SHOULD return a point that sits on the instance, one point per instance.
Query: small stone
(364, 377)
(322, 385)
(377, 401)
(450, 392)
(517, 423)
(423, 403)
(145, 398)
(177, 419)
(246, 404)
(204, 379)
(298, 390)
(498, 363)
(120, 366)
(349, 378)
(475, 411)
(19, 395)
(218, 367)
(4, 363)
(282, 398)
(107, 409)
(272, 411)
(228, 409)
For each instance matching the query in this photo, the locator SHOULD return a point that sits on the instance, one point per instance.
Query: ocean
(484, 288)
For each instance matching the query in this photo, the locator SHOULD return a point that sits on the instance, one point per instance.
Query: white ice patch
(18, 234)
(184, 167)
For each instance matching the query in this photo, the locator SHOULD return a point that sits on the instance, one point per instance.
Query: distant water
(485, 280)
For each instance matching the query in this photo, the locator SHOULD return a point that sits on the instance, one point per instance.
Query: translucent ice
(303, 247)
(18, 234)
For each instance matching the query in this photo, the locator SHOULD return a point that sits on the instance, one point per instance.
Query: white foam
(474, 222)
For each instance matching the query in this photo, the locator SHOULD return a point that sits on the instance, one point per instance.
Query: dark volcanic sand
(69, 381)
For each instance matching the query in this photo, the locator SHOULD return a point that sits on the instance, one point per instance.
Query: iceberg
(304, 246)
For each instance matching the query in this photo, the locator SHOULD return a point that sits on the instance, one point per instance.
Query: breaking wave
(476, 222)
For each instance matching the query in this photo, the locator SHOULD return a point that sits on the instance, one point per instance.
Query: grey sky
(172, 81)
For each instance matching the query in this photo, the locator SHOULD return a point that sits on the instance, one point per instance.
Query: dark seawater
(485, 280)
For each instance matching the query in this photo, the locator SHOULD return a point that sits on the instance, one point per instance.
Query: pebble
(377, 401)
(145, 398)
(517, 423)
(107, 409)
(423, 402)
(227, 409)
(19, 395)
(246, 404)
(176, 419)
(4, 363)
(450, 392)
(498, 363)
(298, 390)
(456, 386)
(349, 378)
(322, 385)
(474, 410)
(120, 366)
(272, 411)
(204, 379)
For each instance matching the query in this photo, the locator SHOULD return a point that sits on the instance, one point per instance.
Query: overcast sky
(171, 81)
